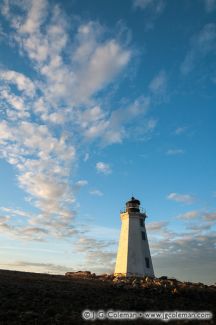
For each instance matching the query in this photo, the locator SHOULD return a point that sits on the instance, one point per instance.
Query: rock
(120, 285)
(82, 274)
(175, 291)
(163, 277)
(157, 282)
(105, 276)
(135, 283)
(148, 279)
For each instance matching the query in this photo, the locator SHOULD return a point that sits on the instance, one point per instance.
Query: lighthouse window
(141, 223)
(143, 235)
(147, 262)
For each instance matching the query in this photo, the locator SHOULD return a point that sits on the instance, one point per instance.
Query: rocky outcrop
(80, 274)
(162, 285)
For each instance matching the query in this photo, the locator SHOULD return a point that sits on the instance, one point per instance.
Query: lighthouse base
(135, 275)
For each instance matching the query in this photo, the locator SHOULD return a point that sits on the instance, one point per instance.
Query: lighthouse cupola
(133, 205)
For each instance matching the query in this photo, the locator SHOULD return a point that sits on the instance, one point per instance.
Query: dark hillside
(31, 298)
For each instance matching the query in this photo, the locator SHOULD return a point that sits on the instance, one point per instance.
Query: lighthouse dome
(133, 205)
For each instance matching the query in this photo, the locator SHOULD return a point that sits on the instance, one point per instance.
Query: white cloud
(98, 254)
(16, 104)
(55, 118)
(86, 157)
(189, 215)
(118, 125)
(210, 5)
(90, 116)
(42, 187)
(43, 155)
(184, 198)
(180, 130)
(172, 250)
(38, 227)
(23, 83)
(16, 212)
(81, 183)
(153, 8)
(199, 228)
(174, 152)
(96, 192)
(106, 61)
(210, 216)
(156, 226)
(94, 63)
(156, 5)
(4, 219)
(201, 44)
(86, 37)
(44, 176)
(53, 109)
(169, 255)
(5, 133)
(38, 267)
(85, 244)
(158, 85)
(18, 231)
(35, 17)
(103, 168)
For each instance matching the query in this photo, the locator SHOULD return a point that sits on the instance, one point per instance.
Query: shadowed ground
(31, 298)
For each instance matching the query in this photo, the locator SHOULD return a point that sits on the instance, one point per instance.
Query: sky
(99, 101)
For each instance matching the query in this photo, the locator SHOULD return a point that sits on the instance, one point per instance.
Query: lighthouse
(133, 257)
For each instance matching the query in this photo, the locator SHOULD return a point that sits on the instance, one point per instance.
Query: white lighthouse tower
(133, 258)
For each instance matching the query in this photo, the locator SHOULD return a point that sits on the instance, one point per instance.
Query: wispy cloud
(174, 152)
(189, 215)
(50, 112)
(98, 254)
(186, 249)
(153, 7)
(156, 226)
(81, 183)
(22, 82)
(198, 228)
(152, 10)
(201, 44)
(55, 107)
(38, 267)
(210, 216)
(86, 157)
(210, 5)
(158, 84)
(156, 5)
(47, 112)
(16, 212)
(96, 193)
(172, 250)
(103, 168)
(180, 130)
(184, 198)
(116, 126)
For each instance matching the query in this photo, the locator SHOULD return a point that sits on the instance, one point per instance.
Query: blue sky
(100, 100)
